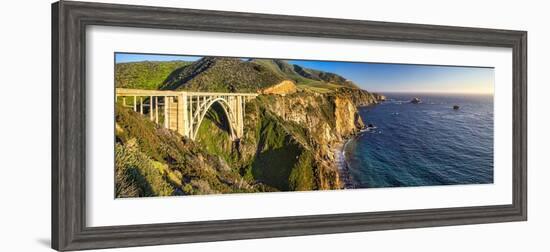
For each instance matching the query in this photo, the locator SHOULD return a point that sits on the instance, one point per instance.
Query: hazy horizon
(427, 92)
(378, 77)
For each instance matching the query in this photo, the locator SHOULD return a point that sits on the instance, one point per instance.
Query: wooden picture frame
(69, 20)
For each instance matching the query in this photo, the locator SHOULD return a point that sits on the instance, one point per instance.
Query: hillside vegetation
(146, 74)
(219, 74)
(304, 76)
(153, 161)
(222, 75)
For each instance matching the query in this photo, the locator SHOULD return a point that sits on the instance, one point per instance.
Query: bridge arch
(230, 115)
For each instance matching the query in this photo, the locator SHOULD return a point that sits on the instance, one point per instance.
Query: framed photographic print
(177, 125)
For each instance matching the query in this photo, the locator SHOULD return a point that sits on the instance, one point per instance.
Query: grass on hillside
(146, 74)
(318, 86)
(219, 74)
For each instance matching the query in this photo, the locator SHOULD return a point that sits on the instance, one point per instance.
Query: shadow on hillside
(273, 166)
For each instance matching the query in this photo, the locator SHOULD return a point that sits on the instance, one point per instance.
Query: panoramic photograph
(199, 125)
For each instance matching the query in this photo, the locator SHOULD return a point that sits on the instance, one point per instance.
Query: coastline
(342, 165)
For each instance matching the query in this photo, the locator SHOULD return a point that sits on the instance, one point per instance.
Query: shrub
(136, 174)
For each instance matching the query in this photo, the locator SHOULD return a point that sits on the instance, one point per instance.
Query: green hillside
(282, 68)
(153, 161)
(305, 78)
(218, 74)
(211, 74)
(146, 74)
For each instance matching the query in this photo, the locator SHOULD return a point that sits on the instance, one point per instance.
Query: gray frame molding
(69, 20)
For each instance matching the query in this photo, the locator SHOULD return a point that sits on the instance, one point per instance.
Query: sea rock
(379, 97)
(416, 100)
(456, 107)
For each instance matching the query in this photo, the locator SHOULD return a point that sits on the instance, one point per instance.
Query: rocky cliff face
(379, 97)
(359, 97)
(301, 130)
(326, 119)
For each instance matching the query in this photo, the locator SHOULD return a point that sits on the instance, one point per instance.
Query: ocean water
(423, 144)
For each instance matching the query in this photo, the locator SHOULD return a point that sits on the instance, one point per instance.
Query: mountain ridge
(211, 74)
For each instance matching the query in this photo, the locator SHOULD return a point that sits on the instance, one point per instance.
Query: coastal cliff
(289, 140)
(314, 123)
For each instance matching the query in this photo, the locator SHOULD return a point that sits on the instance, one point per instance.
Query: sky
(381, 77)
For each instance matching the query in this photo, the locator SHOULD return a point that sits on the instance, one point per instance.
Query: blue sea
(423, 144)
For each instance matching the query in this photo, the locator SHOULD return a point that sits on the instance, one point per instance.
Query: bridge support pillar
(239, 117)
(166, 116)
(183, 117)
(191, 118)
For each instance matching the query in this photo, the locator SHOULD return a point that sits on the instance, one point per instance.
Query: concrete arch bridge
(184, 111)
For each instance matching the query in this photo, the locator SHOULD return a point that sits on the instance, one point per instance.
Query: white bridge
(184, 111)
